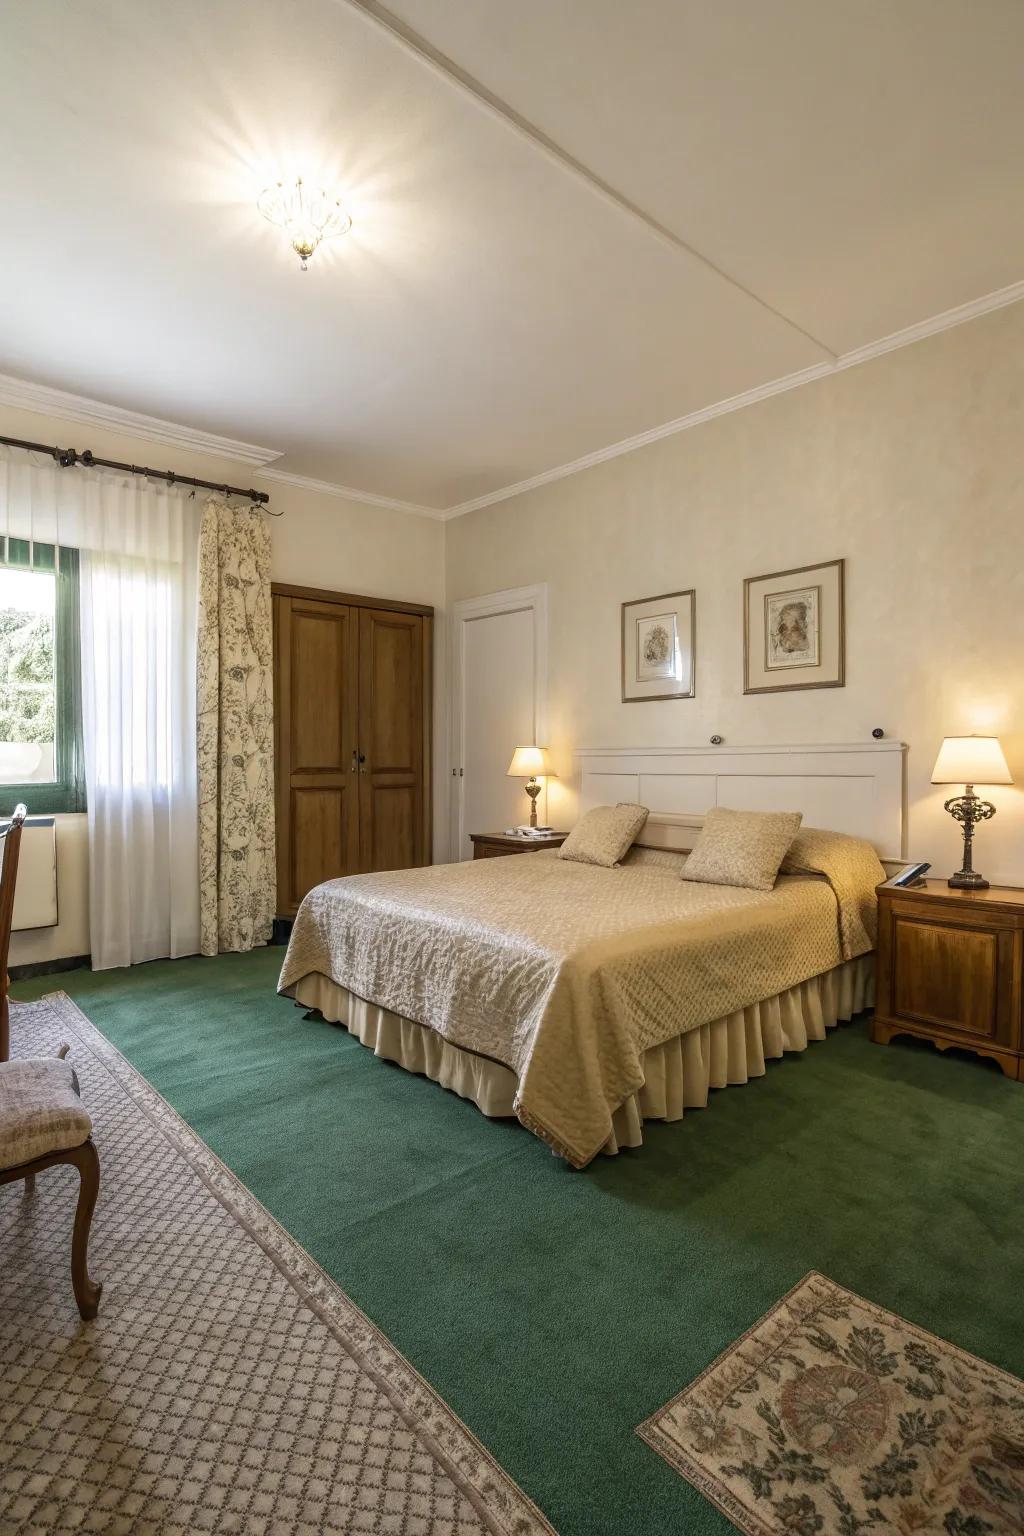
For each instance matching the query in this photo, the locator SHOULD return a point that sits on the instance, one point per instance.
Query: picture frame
(794, 629)
(658, 647)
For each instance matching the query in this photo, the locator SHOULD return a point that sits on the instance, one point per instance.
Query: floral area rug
(228, 1384)
(833, 1416)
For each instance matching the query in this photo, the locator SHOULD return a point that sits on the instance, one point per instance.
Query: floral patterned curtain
(237, 872)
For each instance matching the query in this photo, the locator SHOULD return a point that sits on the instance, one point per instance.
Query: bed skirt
(677, 1075)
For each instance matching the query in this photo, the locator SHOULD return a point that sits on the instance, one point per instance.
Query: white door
(498, 694)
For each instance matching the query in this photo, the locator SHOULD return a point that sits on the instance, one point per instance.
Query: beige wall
(321, 541)
(910, 466)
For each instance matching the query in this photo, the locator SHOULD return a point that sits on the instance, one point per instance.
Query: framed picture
(657, 647)
(794, 629)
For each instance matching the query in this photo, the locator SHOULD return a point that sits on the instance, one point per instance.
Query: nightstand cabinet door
(951, 969)
(949, 975)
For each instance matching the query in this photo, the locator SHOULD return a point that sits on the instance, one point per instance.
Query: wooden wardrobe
(352, 702)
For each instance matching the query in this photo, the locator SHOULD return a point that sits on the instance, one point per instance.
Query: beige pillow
(604, 835)
(742, 847)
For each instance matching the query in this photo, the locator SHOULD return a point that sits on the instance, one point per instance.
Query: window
(40, 679)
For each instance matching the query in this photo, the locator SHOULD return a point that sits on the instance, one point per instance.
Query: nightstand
(950, 969)
(493, 845)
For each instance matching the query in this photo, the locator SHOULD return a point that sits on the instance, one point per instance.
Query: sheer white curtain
(139, 552)
(139, 734)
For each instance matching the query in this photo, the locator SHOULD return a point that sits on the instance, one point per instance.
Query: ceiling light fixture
(306, 214)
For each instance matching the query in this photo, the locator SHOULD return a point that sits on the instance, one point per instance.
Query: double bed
(582, 999)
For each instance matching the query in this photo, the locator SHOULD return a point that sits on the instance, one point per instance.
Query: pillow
(742, 847)
(604, 835)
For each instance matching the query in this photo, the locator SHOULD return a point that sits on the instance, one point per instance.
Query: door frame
(465, 610)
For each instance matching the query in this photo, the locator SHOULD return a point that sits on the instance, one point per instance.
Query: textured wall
(910, 466)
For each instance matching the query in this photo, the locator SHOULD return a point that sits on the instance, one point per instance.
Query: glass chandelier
(306, 214)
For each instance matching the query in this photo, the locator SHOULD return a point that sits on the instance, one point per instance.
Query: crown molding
(57, 402)
(349, 493)
(947, 321)
(642, 439)
(113, 418)
(93, 413)
(904, 338)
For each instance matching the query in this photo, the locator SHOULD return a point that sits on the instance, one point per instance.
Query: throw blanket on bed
(853, 869)
(567, 973)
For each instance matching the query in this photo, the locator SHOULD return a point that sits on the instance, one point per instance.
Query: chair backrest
(8, 881)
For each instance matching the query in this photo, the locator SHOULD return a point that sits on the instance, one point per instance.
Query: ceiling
(574, 220)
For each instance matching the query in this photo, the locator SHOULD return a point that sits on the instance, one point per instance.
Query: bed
(585, 1000)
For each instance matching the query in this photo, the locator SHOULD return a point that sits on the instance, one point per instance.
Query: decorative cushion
(40, 1110)
(604, 835)
(743, 848)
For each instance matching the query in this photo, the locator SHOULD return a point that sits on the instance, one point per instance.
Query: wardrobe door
(393, 777)
(317, 779)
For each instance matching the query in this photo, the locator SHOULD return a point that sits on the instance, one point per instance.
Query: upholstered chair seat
(42, 1122)
(40, 1110)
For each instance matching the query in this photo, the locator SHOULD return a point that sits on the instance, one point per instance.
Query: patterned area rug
(833, 1416)
(227, 1384)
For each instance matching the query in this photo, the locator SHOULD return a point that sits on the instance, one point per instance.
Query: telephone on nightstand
(909, 875)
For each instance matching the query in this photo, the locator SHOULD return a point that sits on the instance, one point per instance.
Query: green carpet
(555, 1310)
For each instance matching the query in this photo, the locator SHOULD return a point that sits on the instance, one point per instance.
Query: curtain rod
(67, 458)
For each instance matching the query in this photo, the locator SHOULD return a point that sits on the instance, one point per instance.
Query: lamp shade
(971, 760)
(528, 762)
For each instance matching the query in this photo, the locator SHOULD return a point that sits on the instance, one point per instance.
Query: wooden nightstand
(950, 969)
(492, 845)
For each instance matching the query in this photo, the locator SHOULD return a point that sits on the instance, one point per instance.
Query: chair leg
(30, 1184)
(87, 1292)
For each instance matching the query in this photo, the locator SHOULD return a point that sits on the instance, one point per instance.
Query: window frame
(65, 793)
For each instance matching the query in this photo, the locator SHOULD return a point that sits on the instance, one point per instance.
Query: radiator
(35, 897)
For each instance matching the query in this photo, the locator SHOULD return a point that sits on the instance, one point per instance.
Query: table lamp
(970, 760)
(527, 763)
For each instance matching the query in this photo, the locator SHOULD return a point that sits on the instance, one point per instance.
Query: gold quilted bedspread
(567, 973)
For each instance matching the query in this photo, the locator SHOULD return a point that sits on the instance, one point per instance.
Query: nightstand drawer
(495, 845)
(947, 975)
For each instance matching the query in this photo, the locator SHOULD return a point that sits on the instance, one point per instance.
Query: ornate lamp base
(969, 809)
(533, 790)
(968, 880)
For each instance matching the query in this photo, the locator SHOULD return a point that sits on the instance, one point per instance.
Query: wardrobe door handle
(354, 755)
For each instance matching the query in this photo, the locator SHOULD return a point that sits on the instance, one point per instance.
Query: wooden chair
(42, 1119)
(8, 881)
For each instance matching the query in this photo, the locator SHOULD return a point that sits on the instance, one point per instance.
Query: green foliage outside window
(26, 677)
(40, 680)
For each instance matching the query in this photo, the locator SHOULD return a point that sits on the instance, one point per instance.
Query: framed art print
(657, 647)
(794, 629)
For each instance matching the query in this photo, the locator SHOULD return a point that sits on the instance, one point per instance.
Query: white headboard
(857, 789)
